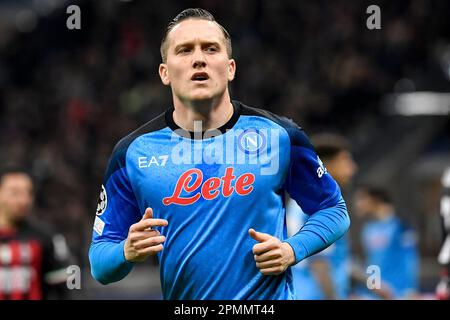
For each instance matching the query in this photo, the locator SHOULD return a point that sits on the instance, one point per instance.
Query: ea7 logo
(145, 162)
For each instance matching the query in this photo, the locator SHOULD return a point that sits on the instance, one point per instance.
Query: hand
(142, 241)
(271, 255)
(384, 292)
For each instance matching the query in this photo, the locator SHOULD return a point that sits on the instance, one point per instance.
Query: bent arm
(117, 210)
(108, 263)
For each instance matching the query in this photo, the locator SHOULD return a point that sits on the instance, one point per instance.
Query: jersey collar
(190, 134)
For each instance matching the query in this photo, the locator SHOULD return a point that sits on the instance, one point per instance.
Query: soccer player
(388, 243)
(326, 275)
(443, 287)
(33, 259)
(202, 185)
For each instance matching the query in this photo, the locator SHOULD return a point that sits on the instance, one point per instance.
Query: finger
(258, 236)
(149, 223)
(268, 264)
(151, 250)
(271, 271)
(140, 235)
(150, 242)
(261, 248)
(148, 214)
(269, 255)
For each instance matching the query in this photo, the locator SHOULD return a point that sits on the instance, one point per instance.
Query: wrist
(290, 253)
(126, 257)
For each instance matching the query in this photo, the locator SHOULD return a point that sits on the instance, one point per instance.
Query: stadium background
(67, 96)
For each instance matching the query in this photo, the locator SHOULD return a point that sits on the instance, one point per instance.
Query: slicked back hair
(193, 13)
(376, 192)
(329, 145)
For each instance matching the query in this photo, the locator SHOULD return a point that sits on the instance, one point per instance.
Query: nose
(199, 63)
(198, 60)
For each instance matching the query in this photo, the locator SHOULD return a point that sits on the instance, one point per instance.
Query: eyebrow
(203, 44)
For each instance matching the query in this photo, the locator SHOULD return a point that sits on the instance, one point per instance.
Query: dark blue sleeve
(116, 212)
(308, 181)
(319, 196)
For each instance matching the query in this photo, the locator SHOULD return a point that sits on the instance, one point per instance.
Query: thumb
(258, 236)
(148, 214)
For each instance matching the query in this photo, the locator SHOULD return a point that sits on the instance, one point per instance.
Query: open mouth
(200, 76)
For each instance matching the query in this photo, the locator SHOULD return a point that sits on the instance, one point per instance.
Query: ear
(164, 74)
(231, 69)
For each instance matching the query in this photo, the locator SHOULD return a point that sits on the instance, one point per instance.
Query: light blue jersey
(211, 190)
(392, 247)
(337, 256)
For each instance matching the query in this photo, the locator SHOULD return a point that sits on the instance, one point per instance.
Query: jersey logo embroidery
(145, 162)
(99, 225)
(251, 141)
(211, 188)
(321, 170)
(103, 201)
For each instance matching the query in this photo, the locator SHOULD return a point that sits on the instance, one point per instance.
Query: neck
(213, 113)
(4, 221)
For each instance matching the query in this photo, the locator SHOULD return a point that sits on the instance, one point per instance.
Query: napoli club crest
(251, 141)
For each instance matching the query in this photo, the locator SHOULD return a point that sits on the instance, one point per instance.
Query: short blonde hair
(191, 13)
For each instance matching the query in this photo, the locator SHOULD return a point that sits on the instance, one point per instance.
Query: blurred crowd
(68, 96)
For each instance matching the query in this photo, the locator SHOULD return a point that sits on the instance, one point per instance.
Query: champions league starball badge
(103, 201)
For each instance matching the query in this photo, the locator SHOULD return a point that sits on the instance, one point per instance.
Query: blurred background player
(443, 288)
(326, 275)
(33, 260)
(388, 243)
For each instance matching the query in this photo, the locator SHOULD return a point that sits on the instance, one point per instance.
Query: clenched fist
(271, 255)
(142, 240)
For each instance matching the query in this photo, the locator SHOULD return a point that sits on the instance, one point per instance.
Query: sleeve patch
(99, 225)
(102, 202)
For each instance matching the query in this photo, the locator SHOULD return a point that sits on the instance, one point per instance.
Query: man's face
(197, 65)
(364, 204)
(342, 168)
(16, 195)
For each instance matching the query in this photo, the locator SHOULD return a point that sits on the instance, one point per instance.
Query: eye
(184, 50)
(211, 49)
